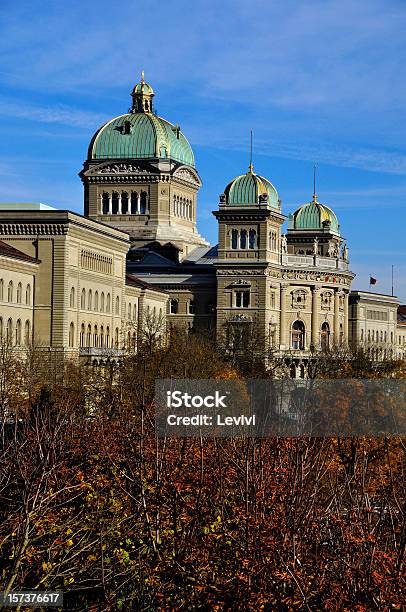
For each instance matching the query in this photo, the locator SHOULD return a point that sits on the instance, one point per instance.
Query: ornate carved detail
(121, 168)
(240, 318)
(29, 229)
(320, 277)
(241, 282)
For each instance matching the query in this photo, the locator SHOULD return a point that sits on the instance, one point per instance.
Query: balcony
(94, 351)
(314, 261)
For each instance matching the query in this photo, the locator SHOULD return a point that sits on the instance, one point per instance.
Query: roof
(247, 188)
(134, 281)
(6, 250)
(25, 206)
(402, 314)
(314, 216)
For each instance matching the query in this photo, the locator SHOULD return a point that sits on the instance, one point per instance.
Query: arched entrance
(325, 336)
(298, 335)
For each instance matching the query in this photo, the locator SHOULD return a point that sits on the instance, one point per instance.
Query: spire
(142, 77)
(314, 183)
(251, 168)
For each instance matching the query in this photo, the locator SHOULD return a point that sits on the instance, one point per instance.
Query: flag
(372, 280)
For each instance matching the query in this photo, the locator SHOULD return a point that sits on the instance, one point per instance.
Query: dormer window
(127, 127)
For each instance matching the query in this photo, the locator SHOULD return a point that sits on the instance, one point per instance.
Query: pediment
(187, 174)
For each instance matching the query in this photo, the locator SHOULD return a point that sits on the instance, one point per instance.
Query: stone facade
(82, 299)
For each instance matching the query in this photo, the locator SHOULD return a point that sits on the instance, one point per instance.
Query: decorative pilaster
(346, 296)
(119, 211)
(337, 317)
(315, 316)
(110, 204)
(282, 323)
(101, 203)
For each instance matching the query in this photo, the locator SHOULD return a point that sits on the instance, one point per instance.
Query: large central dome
(140, 134)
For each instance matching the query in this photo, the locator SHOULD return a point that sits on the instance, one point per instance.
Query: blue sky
(317, 81)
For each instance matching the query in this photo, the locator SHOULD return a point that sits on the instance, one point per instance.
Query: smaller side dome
(314, 216)
(249, 190)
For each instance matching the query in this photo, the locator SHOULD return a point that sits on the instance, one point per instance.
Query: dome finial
(251, 168)
(142, 95)
(142, 77)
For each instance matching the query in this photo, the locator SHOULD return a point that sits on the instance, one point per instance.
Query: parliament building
(88, 285)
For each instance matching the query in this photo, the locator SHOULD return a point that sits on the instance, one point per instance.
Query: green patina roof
(246, 189)
(312, 215)
(150, 137)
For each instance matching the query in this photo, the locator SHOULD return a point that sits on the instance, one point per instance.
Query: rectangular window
(242, 298)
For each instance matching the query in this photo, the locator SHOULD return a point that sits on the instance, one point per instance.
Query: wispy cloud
(59, 113)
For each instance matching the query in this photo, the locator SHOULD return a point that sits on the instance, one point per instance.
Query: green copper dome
(246, 189)
(140, 134)
(313, 216)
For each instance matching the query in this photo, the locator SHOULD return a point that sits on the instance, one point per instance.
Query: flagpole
(392, 279)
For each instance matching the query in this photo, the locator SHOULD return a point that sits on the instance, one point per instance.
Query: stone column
(345, 318)
(282, 321)
(138, 203)
(110, 204)
(337, 317)
(315, 316)
(119, 211)
(147, 204)
(101, 203)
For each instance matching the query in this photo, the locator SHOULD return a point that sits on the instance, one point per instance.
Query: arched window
(95, 336)
(10, 292)
(116, 334)
(89, 300)
(82, 335)
(27, 333)
(72, 298)
(117, 305)
(243, 239)
(71, 335)
(96, 301)
(108, 303)
(19, 294)
(18, 332)
(83, 300)
(192, 307)
(9, 336)
(1, 289)
(174, 306)
(101, 337)
(105, 203)
(28, 294)
(102, 302)
(252, 239)
(89, 335)
(135, 312)
(234, 239)
(325, 336)
(1, 328)
(107, 336)
(298, 335)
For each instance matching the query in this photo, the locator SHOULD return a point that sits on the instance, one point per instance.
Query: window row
(96, 262)
(273, 241)
(20, 293)
(12, 334)
(182, 207)
(95, 302)
(124, 203)
(244, 239)
(376, 336)
(94, 336)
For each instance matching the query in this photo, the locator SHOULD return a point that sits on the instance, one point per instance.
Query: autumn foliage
(92, 503)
